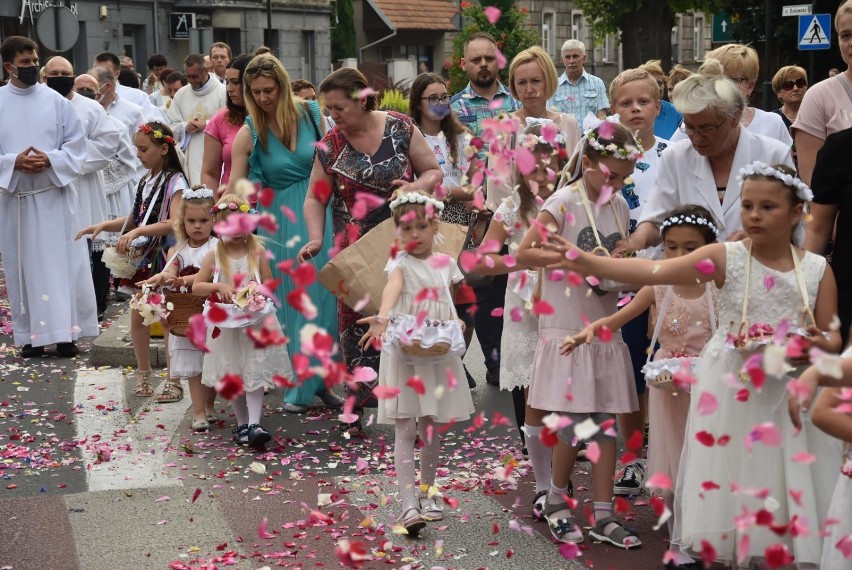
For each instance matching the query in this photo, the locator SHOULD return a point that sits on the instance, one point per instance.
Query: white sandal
(430, 510)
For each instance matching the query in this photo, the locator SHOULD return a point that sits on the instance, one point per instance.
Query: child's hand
(378, 326)
(818, 339)
(226, 291)
(153, 281)
(177, 283)
(124, 242)
(562, 246)
(569, 343)
(309, 250)
(94, 230)
(802, 395)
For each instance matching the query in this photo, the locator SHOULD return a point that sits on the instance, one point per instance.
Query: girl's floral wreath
(199, 193)
(592, 126)
(531, 140)
(232, 206)
(759, 168)
(416, 198)
(688, 220)
(156, 133)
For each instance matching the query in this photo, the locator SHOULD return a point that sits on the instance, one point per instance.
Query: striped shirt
(587, 95)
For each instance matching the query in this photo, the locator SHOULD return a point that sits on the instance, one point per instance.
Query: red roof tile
(419, 14)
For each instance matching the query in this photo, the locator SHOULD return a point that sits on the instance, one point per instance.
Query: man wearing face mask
(136, 96)
(102, 140)
(41, 148)
(192, 106)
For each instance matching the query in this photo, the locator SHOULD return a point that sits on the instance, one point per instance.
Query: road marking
(136, 448)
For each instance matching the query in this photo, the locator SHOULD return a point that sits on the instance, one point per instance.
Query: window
(675, 54)
(577, 26)
(609, 49)
(548, 32)
(698, 39)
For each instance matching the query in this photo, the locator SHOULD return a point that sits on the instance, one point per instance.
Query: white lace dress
(186, 361)
(232, 351)
(520, 326)
(720, 478)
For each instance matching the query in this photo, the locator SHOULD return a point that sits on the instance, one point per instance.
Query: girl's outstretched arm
(498, 233)
(826, 418)
(167, 275)
(530, 252)
(203, 286)
(390, 295)
(640, 303)
(704, 264)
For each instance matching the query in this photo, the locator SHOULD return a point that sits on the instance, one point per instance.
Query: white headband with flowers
(688, 220)
(530, 139)
(416, 198)
(197, 193)
(591, 125)
(759, 168)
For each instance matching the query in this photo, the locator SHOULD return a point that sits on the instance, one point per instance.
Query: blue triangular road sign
(815, 31)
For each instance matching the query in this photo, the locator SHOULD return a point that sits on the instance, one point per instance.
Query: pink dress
(685, 330)
(596, 377)
(223, 131)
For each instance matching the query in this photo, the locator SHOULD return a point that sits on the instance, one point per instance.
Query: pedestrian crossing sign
(814, 31)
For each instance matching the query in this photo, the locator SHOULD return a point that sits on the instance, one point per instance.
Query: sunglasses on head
(788, 85)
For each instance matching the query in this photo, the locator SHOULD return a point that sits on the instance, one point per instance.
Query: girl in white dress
(193, 229)
(741, 454)
(235, 351)
(415, 391)
(520, 325)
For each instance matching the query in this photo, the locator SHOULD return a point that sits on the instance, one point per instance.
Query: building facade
(138, 28)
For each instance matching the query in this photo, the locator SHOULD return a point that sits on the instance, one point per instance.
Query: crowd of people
(646, 259)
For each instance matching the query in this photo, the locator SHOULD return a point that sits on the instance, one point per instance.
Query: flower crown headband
(197, 193)
(758, 168)
(416, 198)
(232, 206)
(530, 139)
(157, 133)
(688, 220)
(593, 127)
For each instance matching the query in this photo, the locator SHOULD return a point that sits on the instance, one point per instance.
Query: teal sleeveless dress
(287, 173)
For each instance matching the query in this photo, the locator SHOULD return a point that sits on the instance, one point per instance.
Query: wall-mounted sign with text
(38, 6)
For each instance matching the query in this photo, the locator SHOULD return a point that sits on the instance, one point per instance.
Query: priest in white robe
(192, 106)
(42, 146)
(135, 96)
(102, 141)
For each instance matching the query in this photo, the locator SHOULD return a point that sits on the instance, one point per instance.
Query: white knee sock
(254, 403)
(240, 410)
(540, 457)
(403, 459)
(430, 451)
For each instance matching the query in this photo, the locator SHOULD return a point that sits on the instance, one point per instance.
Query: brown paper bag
(359, 270)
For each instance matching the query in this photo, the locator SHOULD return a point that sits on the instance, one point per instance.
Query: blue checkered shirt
(586, 96)
(471, 107)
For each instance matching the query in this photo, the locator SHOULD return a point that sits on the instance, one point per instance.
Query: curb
(111, 348)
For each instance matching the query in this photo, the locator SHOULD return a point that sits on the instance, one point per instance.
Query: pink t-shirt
(220, 129)
(826, 108)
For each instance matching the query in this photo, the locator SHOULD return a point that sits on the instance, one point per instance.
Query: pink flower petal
(707, 404)
(386, 392)
(705, 266)
(262, 531)
(659, 480)
(492, 14)
(593, 451)
(804, 457)
(525, 160)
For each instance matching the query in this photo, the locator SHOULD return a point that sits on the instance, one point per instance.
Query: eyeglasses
(789, 84)
(738, 80)
(437, 100)
(703, 131)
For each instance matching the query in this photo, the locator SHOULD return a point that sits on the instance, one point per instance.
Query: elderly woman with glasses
(368, 153)
(703, 170)
(275, 147)
(790, 84)
(741, 65)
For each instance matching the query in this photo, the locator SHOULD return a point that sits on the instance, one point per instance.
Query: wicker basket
(416, 349)
(184, 306)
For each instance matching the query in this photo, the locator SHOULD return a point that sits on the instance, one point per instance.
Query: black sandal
(354, 429)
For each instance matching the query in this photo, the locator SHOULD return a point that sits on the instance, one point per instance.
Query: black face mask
(87, 93)
(62, 85)
(27, 75)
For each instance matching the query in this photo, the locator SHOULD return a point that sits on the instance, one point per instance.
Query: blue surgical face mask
(439, 111)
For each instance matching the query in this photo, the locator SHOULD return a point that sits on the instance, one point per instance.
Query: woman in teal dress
(276, 148)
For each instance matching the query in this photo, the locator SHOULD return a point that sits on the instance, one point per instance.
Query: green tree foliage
(513, 32)
(343, 34)
(645, 25)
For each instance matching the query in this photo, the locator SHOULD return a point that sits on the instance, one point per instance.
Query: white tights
(405, 433)
(248, 406)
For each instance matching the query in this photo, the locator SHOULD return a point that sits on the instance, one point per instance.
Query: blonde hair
(286, 114)
(845, 8)
(786, 73)
(631, 75)
(737, 59)
(254, 243)
(538, 55)
(708, 89)
(678, 73)
(654, 66)
(180, 226)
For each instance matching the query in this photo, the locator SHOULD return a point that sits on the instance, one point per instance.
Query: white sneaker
(630, 479)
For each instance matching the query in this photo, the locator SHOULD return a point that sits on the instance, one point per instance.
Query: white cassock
(132, 117)
(47, 271)
(188, 104)
(139, 97)
(685, 177)
(102, 140)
